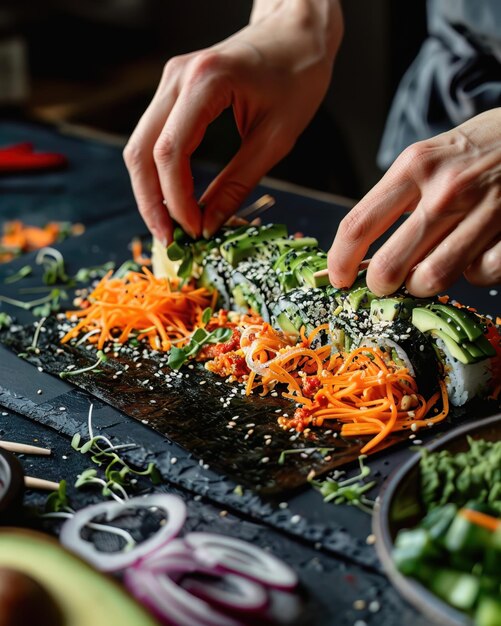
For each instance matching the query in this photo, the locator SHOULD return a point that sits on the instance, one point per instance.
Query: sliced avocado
(360, 298)
(453, 348)
(83, 595)
(390, 309)
(473, 350)
(461, 318)
(485, 346)
(306, 276)
(286, 324)
(239, 247)
(239, 297)
(296, 243)
(424, 320)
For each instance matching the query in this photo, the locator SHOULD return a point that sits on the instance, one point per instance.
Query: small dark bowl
(11, 487)
(399, 506)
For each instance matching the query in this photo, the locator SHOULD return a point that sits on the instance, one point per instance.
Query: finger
(369, 219)
(412, 241)
(456, 252)
(486, 269)
(138, 156)
(198, 104)
(259, 152)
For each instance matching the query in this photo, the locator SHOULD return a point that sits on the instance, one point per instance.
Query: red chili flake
(311, 385)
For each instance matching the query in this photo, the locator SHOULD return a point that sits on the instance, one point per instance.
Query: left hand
(451, 185)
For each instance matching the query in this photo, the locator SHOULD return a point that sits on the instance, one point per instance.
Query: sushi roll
(308, 308)
(216, 274)
(407, 347)
(253, 286)
(466, 356)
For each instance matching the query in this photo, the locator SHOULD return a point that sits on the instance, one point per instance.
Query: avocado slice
(485, 346)
(390, 309)
(424, 320)
(474, 350)
(360, 298)
(286, 324)
(454, 348)
(461, 318)
(83, 595)
(239, 247)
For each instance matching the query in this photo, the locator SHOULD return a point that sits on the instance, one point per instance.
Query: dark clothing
(456, 75)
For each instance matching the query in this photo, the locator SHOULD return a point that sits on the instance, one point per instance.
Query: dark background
(97, 62)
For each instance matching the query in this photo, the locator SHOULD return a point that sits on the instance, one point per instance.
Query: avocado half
(83, 595)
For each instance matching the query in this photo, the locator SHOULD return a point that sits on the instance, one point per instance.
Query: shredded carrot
(141, 305)
(362, 391)
(18, 237)
(481, 519)
(137, 252)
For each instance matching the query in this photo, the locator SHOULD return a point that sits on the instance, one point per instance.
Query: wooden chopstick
(363, 266)
(259, 206)
(24, 448)
(31, 482)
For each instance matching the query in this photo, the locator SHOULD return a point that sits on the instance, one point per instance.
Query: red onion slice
(243, 594)
(228, 554)
(70, 536)
(176, 559)
(171, 603)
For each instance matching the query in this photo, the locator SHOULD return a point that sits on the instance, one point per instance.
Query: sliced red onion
(176, 559)
(244, 594)
(70, 536)
(227, 554)
(171, 603)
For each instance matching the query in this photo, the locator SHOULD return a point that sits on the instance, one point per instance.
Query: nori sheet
(194, 415)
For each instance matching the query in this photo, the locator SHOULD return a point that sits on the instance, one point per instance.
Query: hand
(451, 184)
(274, 73)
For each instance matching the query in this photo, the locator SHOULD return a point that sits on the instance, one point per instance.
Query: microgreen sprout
(101, 358)
(178, 356)
(53, 263)
(57, 501)
(5, 320)
(42, 306)
(36, 335)
(285, 453)
(105, 455)
(85, 274)
(26, 270)
(349, 490)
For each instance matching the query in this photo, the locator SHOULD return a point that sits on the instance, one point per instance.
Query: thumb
(258, 153)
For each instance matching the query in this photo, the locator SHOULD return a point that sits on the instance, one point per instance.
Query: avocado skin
(84, 596)
(24, 600)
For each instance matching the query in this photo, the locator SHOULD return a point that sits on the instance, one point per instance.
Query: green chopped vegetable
(458, 478)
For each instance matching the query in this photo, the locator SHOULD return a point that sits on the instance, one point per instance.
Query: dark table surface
(326, 544)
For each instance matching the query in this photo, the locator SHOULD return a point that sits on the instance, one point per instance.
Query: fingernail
(214, 222)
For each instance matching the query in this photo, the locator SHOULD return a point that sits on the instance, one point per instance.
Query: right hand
(274, 73)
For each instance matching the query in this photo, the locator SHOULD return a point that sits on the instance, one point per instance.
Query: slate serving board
(341, 529)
